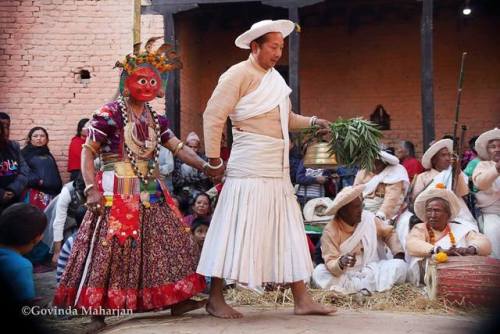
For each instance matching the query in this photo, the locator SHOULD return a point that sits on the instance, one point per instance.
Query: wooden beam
(172, 94)
(427, 85)
(137, 22)
(293, 61)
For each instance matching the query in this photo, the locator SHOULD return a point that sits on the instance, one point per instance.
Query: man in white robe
(349, 249)
(486, 178)
(256, 233)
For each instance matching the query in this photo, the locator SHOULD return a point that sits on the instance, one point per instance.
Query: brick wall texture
(44, 45)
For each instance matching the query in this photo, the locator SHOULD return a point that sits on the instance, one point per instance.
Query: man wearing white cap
(486, 178)
(438, 161)
(256, 234)
(385, 186)
(438, 207)
(349, 248)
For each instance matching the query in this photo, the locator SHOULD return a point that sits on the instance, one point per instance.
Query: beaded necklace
(432, 236)
(131, 155)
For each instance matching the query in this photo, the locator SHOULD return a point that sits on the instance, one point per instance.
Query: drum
(465, 280)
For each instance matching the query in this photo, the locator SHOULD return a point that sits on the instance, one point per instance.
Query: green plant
(355, 141)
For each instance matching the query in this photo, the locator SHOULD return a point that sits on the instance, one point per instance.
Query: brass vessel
(318, 156)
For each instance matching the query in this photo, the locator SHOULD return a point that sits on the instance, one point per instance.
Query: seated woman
(44, 181)
(437, 207)
(486, 178)
(201, 209)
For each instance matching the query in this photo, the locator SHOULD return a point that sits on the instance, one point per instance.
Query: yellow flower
(440, 186)
(441, 257)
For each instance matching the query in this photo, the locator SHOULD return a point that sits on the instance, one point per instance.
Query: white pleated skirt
(257, 234)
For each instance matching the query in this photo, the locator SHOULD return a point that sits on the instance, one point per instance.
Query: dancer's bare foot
(96, 323)
(218, 308)
(313, 308)
(187, 305)
(305, 305)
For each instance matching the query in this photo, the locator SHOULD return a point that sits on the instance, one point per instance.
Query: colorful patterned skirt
(153, 271)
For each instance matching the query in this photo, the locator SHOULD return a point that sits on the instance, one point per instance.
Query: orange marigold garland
(441, 256)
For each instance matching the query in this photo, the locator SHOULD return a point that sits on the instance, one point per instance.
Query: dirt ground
(265, 320)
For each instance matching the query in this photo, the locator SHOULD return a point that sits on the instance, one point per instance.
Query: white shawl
(390, 175)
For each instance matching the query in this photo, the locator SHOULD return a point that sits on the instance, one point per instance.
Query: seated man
(486, 178)
(349, 247)
(385, 186)
(437, 207)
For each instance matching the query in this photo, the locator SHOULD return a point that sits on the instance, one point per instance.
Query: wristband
(208, 165)
(87, 189)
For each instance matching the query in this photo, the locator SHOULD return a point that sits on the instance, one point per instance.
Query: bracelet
(87, 189)
(208, 165)
(312, 121)
(90, 148)
(178, 147)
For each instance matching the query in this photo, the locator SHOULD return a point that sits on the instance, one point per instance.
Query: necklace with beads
(432, 236)
(132, 156)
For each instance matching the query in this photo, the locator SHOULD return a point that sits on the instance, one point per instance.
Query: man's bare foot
(186, 306)
(312, 308)
(219, 309)
(95, 324)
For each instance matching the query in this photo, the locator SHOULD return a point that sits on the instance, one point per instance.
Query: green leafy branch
(355, 142)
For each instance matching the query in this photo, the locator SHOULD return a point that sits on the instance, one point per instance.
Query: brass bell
(318, 155)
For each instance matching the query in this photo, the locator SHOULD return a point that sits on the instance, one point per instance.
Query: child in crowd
(199, 228)
(21, 228)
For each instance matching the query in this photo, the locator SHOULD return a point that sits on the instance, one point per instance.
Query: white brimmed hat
(438, 191)
(483, 140)
(388, 158)
(344, 197)
(285, 27)
(315, 208)
(434, 149)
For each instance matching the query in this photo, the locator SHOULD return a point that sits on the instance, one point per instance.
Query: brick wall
(44, 45)
(347, 72)
(344, 72)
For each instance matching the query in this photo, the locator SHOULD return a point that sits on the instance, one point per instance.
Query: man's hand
(461, 251)
(321, 179)
(215, 174)
(324, 126)
(348, 260)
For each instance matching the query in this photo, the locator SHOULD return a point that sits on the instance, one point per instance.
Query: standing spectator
(44, 181)
(75, 148)
(13, 169)
(406, 155)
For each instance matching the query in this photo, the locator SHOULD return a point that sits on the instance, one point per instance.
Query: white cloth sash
(270, 93)
(390, 175)
(445, 177)
(366, 232)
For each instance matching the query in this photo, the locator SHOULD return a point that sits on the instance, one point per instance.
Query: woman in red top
(75, 148)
